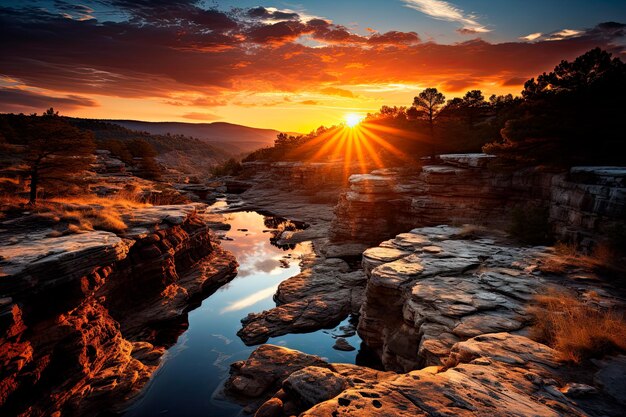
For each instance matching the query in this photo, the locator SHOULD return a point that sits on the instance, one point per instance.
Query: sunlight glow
(353, 119)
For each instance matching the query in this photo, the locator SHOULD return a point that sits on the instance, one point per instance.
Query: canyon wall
(84, 318)
(584, 205)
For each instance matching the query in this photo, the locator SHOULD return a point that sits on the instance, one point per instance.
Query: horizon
(275, 66)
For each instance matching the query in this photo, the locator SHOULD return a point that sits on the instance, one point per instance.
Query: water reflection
(250, 300)
(195, 367)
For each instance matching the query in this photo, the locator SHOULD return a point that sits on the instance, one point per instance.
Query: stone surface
(304, 385)
(612, 378)
(584, 204)
(81, 314)
(499, 374)
(342, 344)
(264, 371)
(320, 296)
(446, 289)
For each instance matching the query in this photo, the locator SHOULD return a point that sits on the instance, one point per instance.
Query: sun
(352, 119)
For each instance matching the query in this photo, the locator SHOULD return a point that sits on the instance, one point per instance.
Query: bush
(231, 167)
(530, 225)
(577, 330)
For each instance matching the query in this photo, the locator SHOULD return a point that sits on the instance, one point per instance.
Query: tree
(56, 152)
(473, 105)
(429, 101)
(572, 115)
(145, 154)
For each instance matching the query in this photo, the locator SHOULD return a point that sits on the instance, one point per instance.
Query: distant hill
(231, 137)
(184, 153)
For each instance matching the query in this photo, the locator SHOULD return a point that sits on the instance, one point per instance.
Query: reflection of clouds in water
(250, 300)
(223, 338)
(222, 362)
(267, 265)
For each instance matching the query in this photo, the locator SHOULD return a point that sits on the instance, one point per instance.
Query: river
(193, 370)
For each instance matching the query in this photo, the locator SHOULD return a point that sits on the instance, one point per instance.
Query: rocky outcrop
(436, 286)
(84, 318)
(429, 289)
(497, 374)
(584, 204)
(319, 297)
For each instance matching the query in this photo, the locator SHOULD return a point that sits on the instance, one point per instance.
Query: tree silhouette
(56, 152)
(572, 115)
(429, 102)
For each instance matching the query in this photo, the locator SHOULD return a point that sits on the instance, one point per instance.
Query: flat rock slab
(492, 375)
(319, 297)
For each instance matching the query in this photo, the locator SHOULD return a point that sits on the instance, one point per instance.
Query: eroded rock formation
(435, 286)
(321, 296)
(497, 374)
(584, 203)
(85, 317)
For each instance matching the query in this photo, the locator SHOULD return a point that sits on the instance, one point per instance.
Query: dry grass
(78, 213)
(472, 231)
(566, 258)
(578, 331)
(90, 212)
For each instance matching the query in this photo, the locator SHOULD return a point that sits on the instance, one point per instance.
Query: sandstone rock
(492, 375)
(319, 297)
(264, 371)
(271, 408)
(342, 344)
(83, 311)
(434, 296)
(313, 385)
(583, 204)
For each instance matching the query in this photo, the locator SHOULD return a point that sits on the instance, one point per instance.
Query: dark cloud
(263, 13)
(394, 38)
(168, 48)
(609, 30)
(12, 99)
(276, 33)
(185, 13)
(324, 31)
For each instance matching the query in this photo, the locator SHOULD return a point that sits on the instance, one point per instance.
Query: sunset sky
(283, 65)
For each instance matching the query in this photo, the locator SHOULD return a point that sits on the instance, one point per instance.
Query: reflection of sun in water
(353, 119)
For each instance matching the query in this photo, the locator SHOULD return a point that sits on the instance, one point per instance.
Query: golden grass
(79, 213)
(578, 331)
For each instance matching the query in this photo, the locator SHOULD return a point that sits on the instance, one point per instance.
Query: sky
(291, 66)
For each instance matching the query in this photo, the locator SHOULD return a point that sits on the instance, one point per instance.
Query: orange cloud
(253, 58)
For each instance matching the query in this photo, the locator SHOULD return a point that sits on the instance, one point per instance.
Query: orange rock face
(73, 321)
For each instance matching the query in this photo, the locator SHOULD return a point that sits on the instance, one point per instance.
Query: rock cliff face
(84, 318)
(584, 204)
(436, 286)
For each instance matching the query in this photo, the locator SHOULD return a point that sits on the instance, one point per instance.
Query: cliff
(84, 318)
(584, 204)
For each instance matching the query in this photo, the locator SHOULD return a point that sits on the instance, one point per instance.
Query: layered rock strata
(584, 204)
(436, 286)
(84, 318)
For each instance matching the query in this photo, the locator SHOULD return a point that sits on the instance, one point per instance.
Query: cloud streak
(443, 10)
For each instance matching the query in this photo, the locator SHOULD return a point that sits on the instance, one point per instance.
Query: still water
(194, 369)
